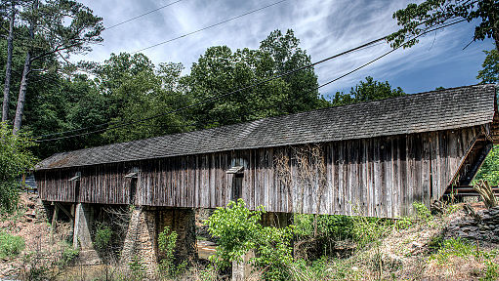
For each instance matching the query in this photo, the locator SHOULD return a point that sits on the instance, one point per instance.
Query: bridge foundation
(82, 238)
(141, 242)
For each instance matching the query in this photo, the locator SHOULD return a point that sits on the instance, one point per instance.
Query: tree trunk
(8, 68)
(24, 80)
(22, 93)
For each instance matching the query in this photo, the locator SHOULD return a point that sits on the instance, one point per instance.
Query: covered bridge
(375, 158)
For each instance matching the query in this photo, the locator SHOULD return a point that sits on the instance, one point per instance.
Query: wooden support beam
(460, 189)
(466, 178)
(54, 222)
(65, 211)
(463, 194)
(468, 190)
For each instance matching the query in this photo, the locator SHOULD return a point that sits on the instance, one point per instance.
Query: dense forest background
(77, 105)
(70, 106)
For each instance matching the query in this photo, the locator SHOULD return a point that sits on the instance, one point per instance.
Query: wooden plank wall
(372, 177)
(55, 185)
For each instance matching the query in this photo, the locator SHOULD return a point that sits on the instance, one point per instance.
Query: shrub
(239, 231)
(333, 228)
(274, 252)
(15, 159)
(422, 212)
(304, 225)
(403, 223)
(137, 269)
(69, 254)
(167, 241)
(208, 273)
(453, 247)
(103, 238)
(336, 227)
(367, 231)
(10, 245)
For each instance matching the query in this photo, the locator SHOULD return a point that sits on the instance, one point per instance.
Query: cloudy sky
(325, 28)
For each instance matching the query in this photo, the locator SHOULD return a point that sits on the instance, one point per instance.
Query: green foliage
(415, 19)
(304, 224)
(367, 91)
(220, 71)
(10, 245)
(15, 159)
(103, 237)
(336, 227)
(137, 269)
(136, 89)
(489, 171)
(333, 228)
(128, 87)
(459, 247)
(450, 209)
(325, 269)
(239, 231)
(167, 241)
(274, 252)
(69, 254)
(422, 212)
(368, 231)
(491, 271)
(490, 71)
(38, 273)
(403, 223)
(209, 273)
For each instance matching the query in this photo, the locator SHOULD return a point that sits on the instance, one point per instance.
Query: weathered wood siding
(373, 177)
(55, 185)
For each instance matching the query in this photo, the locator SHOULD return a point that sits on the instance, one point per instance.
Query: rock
(467, 222)
(468, 229)
(30, 214)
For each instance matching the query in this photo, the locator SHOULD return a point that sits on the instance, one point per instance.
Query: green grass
(10, 245)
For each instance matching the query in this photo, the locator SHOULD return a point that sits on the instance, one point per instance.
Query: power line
(241, 89)
(263, 82)
(142, 15)
(387, 53)
(238, 90)
(210, 26)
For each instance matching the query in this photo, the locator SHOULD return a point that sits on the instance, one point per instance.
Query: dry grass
(455, 268)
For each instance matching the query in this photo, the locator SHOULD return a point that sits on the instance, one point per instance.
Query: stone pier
(146, 223)
(82, 237)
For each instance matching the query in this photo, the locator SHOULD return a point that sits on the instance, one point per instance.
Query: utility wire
(210, 26)
(366, 45)
(142, 15)
(387, 53)
(262, 82)
(236, 91)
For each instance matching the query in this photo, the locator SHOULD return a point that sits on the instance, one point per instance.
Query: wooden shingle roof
(431, 111)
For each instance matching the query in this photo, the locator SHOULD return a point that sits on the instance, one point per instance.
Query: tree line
(55, 95)
(45, 94)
